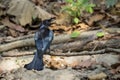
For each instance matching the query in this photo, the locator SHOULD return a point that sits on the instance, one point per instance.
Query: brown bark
(68, 49)
(57, 40)
(82, 45)
(66, 43)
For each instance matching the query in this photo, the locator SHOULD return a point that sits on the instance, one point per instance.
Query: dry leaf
(13, 26)
(54, 62)
(99, 76)
(118, 69)
(63, 19)
(13, 33)
(114, 66)
(94, 18)
(83, 26)
(85, 64)
(117, 5)
(113, 71)
(37, 2)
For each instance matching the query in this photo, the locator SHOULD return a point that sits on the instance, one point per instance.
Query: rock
(8, 64)
(45, 74)
(108, 59)
(25, 11)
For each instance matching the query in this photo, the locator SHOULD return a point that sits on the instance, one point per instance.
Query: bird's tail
(36, 64)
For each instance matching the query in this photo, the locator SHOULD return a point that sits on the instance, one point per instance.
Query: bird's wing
(38, 41)
(47, 41)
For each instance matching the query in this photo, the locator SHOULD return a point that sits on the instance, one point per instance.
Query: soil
(11, 68)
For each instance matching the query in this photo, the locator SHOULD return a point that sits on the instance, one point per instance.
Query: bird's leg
(48, 50)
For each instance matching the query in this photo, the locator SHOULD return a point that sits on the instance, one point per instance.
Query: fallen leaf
(83, 26)
(13, 33)
(99, 76)
(37, 2)
(113, 71)
(13, 26)
(85, 64)
(117, 5)
(63, 19)
(94, 18)
(114, 66)
(55, 62)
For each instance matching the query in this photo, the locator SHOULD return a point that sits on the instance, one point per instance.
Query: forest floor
(89, 56)
(107, 67)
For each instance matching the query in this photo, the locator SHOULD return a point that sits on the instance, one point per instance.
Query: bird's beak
(53, 20)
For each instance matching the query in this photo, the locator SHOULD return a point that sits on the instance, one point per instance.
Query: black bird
(43, 38)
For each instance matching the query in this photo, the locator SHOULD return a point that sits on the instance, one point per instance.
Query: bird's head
(46, 23)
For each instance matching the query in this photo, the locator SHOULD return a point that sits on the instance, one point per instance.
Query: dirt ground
(11, 68)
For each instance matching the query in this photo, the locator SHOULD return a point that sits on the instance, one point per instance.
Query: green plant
(100, 34)
(110, 3)
(76, 7)
(75, 34)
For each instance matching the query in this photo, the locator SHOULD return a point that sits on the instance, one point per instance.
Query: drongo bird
(43, 38)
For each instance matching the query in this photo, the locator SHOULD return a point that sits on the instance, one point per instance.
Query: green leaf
(92, 5)
(69, 1)
(75, 34)
(110, 3)
(76, 7)
(76, 20)
(90, 10)
(100, 34)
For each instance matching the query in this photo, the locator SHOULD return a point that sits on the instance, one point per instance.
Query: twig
(102, 51)
(112, 50)
(18, 38)
(79, 53)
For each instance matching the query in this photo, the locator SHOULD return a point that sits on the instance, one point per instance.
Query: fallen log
(8, 40)
(91, 46)
(69, 49)
(16, 44)
(72, 46)
(57, 39)
(62, 41)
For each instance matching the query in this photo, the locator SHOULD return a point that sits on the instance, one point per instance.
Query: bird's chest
(43, 35)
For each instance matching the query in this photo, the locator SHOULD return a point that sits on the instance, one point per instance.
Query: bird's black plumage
(43, 38)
